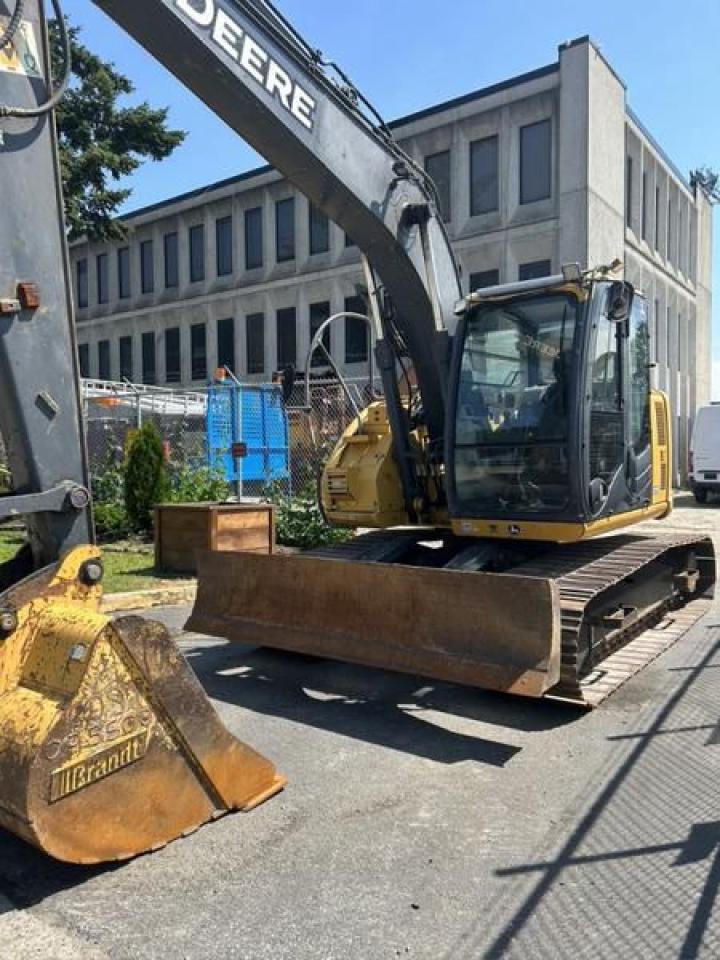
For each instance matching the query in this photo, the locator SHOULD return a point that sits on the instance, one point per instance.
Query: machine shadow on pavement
(388, 709)
(643, 859)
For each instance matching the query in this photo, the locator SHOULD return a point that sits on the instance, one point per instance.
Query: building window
(224, 246)
(670, 231)
(319, 313)
(149, 370)
(123, 261)
(147, 267)
(628, 190)
(82, 283)
(197, 253)
(255, 339)
(535, 270)
(286, 337)
(536, 161)
(104, 360)
(657, 219)
(437, 167)
(656, 333)
(253, 238)
(644, 205)
(484, 278)
(172, 355)
(84, 359)
(356, 332)
(319, 231)
(103, 278)
(126, 358)
(349, 242)
(668, 336)
(226, 343)
(285, 229)
(198, 351)
(484, 181)
(172, 261)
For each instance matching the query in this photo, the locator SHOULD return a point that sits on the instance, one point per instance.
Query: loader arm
(249, 66)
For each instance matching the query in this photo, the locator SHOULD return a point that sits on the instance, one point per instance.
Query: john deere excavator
(532, 430)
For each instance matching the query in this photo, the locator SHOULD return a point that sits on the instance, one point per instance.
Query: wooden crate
(181, 529)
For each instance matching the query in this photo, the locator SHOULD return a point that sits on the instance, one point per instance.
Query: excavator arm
(250, 67)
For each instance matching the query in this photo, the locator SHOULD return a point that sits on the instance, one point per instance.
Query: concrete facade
(611, 192)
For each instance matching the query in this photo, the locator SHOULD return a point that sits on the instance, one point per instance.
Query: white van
(704, 465)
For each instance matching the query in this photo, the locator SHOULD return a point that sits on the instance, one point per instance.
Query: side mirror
(620, 300)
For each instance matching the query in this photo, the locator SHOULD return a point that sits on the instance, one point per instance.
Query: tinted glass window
(285, 229)
(438, 167)
(639, 348)
(255, 331)
(104, 359)
(147, 267)
(319, 313)
(149, 371)
(126, 358)
(226, 343)
(172, 263)
(484, 278)
(224, 245)
(356, 332)
(198, 351)
(124, 272)
(606, 414)
(197, 253)
(253, 238)
(82, 283)
(535, 270)
(536, 161)
(103, 278)
(319, 231)
(84, 359)
(512, 407)
(484, 180)
(286, 337)
(172, 355)
(349, 242)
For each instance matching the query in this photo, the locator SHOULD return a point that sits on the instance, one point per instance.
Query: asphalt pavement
(421, 820)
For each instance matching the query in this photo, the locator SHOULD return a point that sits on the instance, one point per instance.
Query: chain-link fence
(114, 411)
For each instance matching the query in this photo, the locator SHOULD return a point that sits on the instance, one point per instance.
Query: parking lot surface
(421, 820)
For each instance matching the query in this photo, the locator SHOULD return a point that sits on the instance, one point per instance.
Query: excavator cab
(554, 428)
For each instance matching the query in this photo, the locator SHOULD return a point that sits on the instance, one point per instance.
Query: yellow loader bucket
(481, 629)
(109, 746)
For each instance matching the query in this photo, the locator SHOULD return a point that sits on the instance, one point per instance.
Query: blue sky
(408, 54)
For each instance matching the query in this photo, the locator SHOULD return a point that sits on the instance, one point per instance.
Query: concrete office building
(546, 168)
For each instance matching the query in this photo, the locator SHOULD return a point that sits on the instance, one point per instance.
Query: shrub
(146, 482)
(111, 520)
(196, 485)
(300, 523)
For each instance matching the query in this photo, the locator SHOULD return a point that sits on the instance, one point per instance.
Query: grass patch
(125, 571)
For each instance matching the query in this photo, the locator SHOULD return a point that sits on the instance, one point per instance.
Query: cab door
(638, 456)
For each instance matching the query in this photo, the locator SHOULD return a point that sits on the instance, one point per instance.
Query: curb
(170, 596)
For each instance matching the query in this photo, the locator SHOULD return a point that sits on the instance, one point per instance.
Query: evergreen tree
(102, 141)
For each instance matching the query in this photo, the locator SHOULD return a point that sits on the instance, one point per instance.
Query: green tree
(102, 141)
(708, 180)
(146, 481)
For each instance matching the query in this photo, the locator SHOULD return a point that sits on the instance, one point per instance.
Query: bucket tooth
(109, 746)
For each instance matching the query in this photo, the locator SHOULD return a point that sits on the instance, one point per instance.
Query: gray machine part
(40, 408)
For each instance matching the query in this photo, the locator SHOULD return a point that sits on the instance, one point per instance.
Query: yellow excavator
(527, 428)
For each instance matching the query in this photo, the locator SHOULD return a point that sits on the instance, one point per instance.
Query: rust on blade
(484, 630)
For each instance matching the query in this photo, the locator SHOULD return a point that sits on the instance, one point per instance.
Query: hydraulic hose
(55, 98)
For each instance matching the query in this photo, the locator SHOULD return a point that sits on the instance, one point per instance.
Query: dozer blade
(485, 630)
(109, 746)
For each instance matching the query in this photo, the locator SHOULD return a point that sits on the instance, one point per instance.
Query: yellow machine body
(109, 746)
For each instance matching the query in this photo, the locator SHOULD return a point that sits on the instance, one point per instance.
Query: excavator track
(584, 574)
(538, 620)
